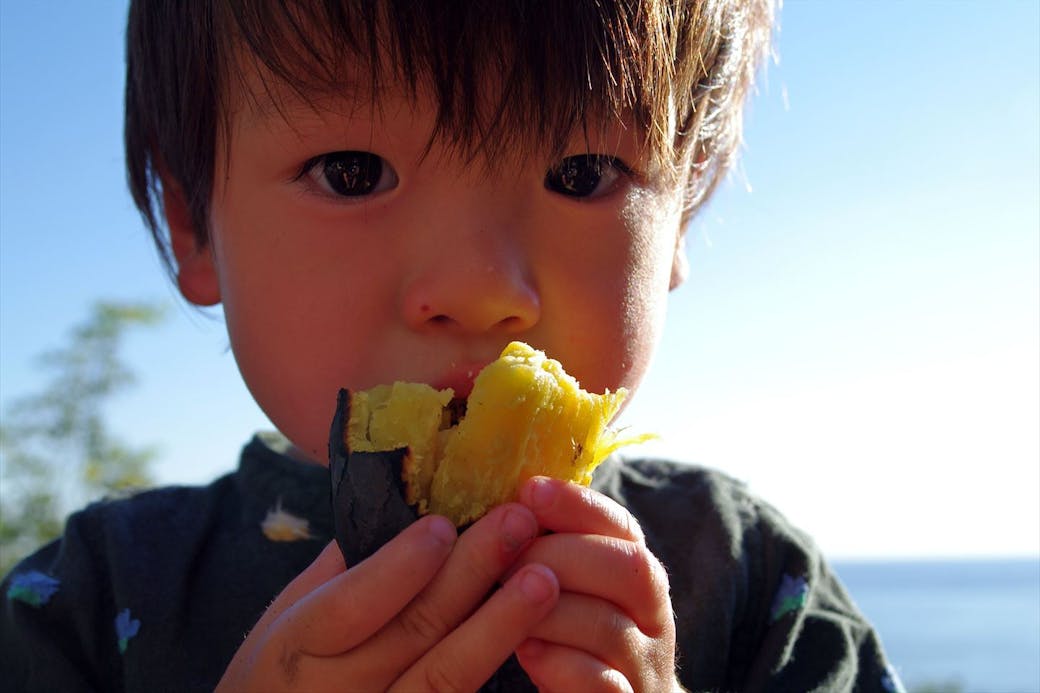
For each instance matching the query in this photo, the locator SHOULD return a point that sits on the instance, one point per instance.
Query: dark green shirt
(156, 592)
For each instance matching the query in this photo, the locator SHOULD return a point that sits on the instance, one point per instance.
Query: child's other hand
(613, 628)
(412, 616)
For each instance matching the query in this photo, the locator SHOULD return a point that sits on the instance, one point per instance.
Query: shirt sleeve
(813, 638)
(810, 635)
(756, 606)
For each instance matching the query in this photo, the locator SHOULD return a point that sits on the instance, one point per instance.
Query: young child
(394, 191)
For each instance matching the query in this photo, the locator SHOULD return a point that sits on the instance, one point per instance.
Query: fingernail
(441, 529)
(537, 584)
(541, 493)
(518, 527)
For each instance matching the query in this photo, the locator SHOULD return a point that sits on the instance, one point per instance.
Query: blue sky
(860, 335)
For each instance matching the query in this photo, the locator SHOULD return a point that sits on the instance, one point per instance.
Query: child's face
(379, 265)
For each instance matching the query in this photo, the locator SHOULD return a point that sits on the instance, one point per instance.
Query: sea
(965, 626)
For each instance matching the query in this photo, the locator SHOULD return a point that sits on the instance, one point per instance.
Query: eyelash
(350, 168)
(580, 177)
(566, 179)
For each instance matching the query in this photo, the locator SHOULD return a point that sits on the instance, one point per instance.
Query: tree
(56, 450)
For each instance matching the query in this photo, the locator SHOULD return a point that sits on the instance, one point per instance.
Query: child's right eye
(351, 173)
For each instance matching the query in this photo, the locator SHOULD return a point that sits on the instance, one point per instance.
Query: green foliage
(56, 451)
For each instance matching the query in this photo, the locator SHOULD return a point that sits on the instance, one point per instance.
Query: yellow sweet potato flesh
(402, 415)
(525, 417)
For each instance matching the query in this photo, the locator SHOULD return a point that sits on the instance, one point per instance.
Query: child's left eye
(585, 176)
(351, 173)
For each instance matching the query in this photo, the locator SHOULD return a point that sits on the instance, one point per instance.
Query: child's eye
(351, 173)
(585, 176)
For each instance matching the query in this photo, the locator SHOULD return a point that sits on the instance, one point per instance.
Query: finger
(346, 610)
(482, 555)
(472, 653)
(599, 628)
(554, 667)
(560, 506)
(624, 573)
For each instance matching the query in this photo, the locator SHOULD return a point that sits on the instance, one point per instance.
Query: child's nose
(473, 282)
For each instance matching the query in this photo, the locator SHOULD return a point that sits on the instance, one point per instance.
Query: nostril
(438, 319)
(512, 323)
(450, 301)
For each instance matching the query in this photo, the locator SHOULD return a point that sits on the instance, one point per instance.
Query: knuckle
(640, 564)
(613, 629)
(594, 504)
(440, 677)
(420, 622)
(657, 574)
(620, 517)
(482, 555)
(606, 680)
(648, 579)
(661, 624)
(648, 570)
(289, 664)
(614, 681)
(617, 516)
(483, 570)
(633, 527)
(600, 625)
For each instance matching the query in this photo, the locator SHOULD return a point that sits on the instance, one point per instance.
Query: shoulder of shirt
(665, 478)
(126, 525)
(670, 492)
(659, 472)
(165, 505)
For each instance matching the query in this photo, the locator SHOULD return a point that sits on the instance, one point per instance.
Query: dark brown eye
(585, 176)
(352, 173)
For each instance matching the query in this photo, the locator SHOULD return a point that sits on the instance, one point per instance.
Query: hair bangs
(504, 76)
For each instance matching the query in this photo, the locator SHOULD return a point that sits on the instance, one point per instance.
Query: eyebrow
(270, 98)
(261, 91)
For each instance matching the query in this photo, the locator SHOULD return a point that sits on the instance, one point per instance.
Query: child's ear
(196, 271)
(680, 265)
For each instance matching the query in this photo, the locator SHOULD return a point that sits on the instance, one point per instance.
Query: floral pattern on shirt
(33, 588)
(790, 597)
(282, 525)
(126, 628)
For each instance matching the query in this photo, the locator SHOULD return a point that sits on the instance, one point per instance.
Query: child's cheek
(653, 224)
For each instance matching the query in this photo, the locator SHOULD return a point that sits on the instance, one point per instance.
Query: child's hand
(412, 616)
(613, 628)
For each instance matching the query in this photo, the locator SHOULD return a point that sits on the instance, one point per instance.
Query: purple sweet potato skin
(368, 502)
(369, 509)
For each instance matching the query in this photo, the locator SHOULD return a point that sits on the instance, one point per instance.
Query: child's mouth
(456, 410)
(460, 381)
